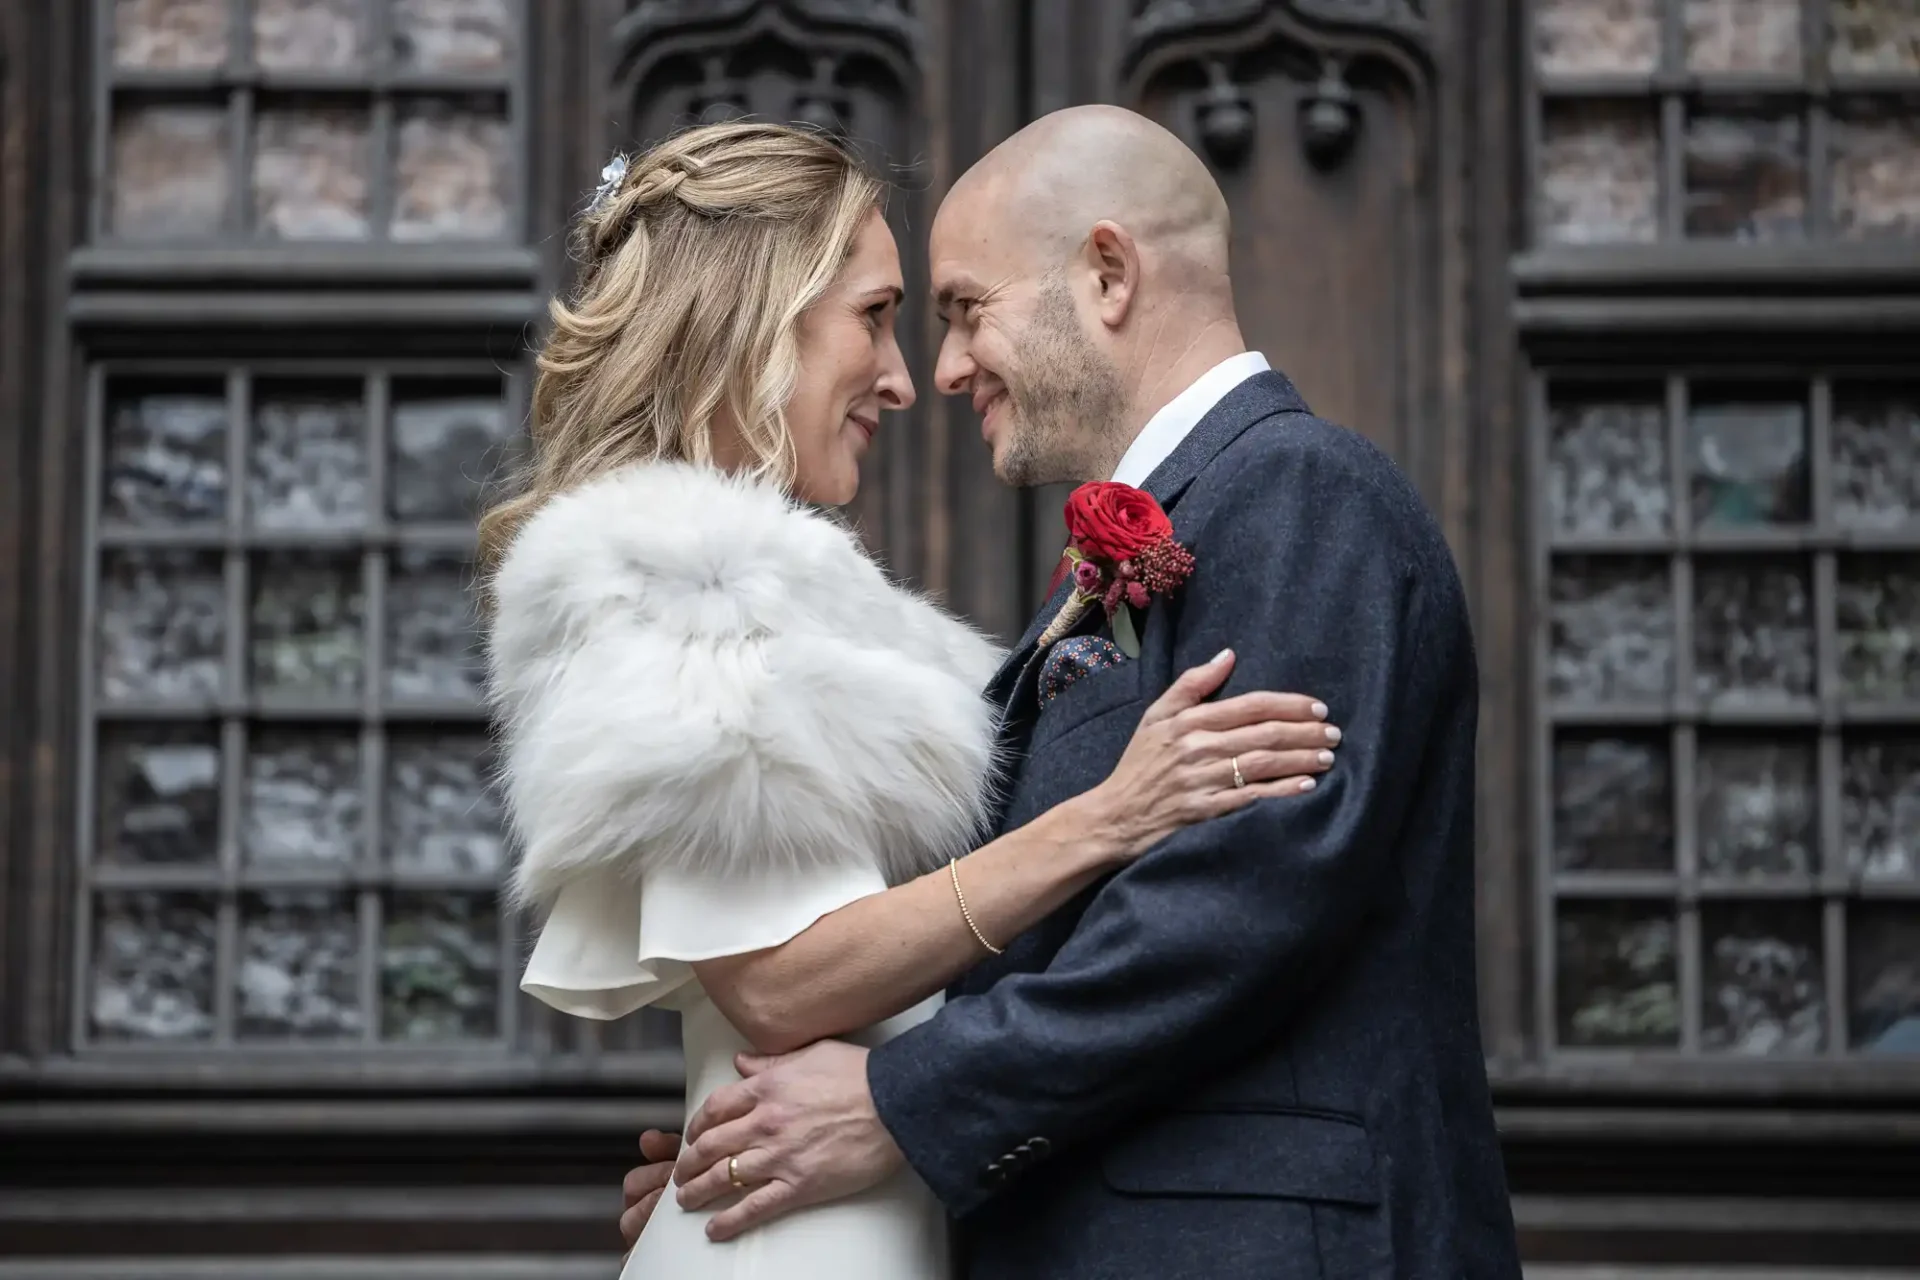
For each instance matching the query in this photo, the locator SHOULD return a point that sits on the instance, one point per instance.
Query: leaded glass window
(284, 121)
(287, 834)
(1729, 678)
(1776, 121)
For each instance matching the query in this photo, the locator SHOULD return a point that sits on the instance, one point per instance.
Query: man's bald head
(1050, 183)
(1081, 267)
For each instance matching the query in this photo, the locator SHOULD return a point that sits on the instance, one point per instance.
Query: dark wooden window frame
(240, 82)
(238, 711)
(1675, 312)
(1681, 715)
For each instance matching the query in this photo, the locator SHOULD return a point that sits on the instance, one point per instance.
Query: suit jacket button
(1037, 1146)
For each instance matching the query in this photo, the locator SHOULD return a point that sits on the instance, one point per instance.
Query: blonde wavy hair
(695, 268)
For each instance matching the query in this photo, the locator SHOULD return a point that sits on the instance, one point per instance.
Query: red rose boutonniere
(1121, 546)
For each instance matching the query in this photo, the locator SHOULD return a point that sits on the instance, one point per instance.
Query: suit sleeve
(1206, 947)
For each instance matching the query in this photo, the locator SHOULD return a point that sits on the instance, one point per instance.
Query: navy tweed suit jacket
(1255, 1051)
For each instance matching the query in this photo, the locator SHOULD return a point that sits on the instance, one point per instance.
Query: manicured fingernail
(1308, 784)
(1333, 734)
(1319, 711)
(1325, 757)
(1221, 656)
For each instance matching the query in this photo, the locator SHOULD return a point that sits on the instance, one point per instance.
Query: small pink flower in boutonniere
(1123, 553)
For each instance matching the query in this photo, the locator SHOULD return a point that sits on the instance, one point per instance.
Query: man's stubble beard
(1066, 399)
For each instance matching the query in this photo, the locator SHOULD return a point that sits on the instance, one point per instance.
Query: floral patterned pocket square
(1070, 659)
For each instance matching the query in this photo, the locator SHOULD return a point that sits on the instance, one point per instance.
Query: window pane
(1876, 468)
(308, 34)
(1743, 35)
(450, 171)
(1613, 804)
(163, 624)
(1880, 807)
(1607, 465)
(303, 800)
(1599, 173)
(299, 967)
(1762, 978)
(310, 172)
(1616, 976)
(1879, 626)
(170, 33)
(1756, 805)
(152, 973)
(1596, 37)
(166, 455)
(1753, 630)
(308, 456)
(1748, 452)
(452, 35)
(171, 176)
(440, 968)
(1873, 35)
(1874, 157)
(1883, 978)
(433, 635)
(443, 817)
(159, 800)
(449, 443)
(306, 625)
(1612, 637)
(1745, 177)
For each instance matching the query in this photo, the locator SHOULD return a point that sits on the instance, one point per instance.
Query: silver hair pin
(609, 183)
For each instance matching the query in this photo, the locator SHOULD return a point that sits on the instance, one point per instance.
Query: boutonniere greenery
(1122, 555)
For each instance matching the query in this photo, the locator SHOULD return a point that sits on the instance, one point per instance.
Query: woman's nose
(896, 383)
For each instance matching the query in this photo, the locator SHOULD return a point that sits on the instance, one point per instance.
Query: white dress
(719, 721)
(607, 950)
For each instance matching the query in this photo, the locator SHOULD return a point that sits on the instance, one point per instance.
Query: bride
(747, 772)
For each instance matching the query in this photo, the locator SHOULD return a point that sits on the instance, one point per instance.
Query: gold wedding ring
(733, 1172)
(1239, 780)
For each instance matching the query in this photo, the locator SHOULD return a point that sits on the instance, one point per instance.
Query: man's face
(1047, 395)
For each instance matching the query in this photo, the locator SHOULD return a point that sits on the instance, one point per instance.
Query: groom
(1255, 1052)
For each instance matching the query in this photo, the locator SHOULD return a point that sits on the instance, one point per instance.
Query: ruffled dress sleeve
(611, 945)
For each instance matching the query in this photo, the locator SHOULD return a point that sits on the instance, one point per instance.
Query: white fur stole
(692, 671)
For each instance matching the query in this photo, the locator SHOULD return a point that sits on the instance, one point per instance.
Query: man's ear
(1115, 262)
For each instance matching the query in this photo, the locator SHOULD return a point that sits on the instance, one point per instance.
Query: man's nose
(954, 370)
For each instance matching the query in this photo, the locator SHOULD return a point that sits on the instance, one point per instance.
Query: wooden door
(1318, 119)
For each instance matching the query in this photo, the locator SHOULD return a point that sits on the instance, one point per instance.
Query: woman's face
(851, 370)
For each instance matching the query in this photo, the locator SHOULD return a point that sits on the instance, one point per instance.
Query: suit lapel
(1261, 396)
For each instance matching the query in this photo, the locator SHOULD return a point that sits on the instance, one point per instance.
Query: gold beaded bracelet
(953, 870)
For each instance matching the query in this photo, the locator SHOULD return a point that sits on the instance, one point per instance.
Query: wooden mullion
(1814, 31)
(1673, 121)
(1546, 930)
(105, 102)
(236, 689)
(233, 775)
(1834, 877)
(380, 136)
(242, 68)
(86, 757)
(373, 739)
(1673, 169)
(1683, 738)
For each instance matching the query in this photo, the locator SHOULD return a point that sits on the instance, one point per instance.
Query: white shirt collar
(1167, 428)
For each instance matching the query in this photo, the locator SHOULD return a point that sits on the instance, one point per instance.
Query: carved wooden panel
(1315, 117)
(848, 66)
